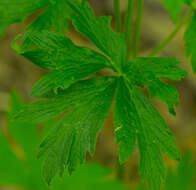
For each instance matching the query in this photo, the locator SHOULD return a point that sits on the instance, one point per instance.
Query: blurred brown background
(16, 72)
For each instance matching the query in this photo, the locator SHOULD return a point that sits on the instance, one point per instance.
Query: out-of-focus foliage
(19, 167)
(13, 11)
(175, 7)
(181, 178)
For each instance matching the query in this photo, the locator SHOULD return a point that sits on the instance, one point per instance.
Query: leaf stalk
(172, 35)
(117, 15)
(138, 28)
(129, 27)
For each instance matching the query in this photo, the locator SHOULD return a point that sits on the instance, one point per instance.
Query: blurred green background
(104, 171)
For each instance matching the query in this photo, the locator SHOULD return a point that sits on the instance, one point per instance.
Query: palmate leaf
(88, 101)
(69, 63)
(56, 15)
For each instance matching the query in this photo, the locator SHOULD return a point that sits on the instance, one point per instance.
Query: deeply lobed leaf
(76, 95)
(99, 31)
(76, 133)
(69, 63)
(149, 71)
(139, 118)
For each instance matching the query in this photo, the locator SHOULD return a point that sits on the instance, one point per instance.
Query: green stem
(120, 171)
(117, 14)
(129, 26)
(172, 35)
(138, 27)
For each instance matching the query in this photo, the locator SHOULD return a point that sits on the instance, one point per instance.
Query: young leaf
(190, 39)
(149, 71)
(152, 133)
(69, 63)
(99, 31)
(76, 133)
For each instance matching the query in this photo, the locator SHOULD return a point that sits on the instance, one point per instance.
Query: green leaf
(166, 93)
(10, 165)
(23, 131)
(98, 31)
(190, 39)
(149, 71)
(70, 63)
(90, 176)
(174, 8)
(125, 122)
(13, 11)
(73, 97)
(183, 177)
(152, 133)
(56, 16)
(76, 133)
(87, 177)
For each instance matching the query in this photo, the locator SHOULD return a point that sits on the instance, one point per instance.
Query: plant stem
(117, 14)
(138, 27)
(172, 35)
(120, 171)
(129, 26)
